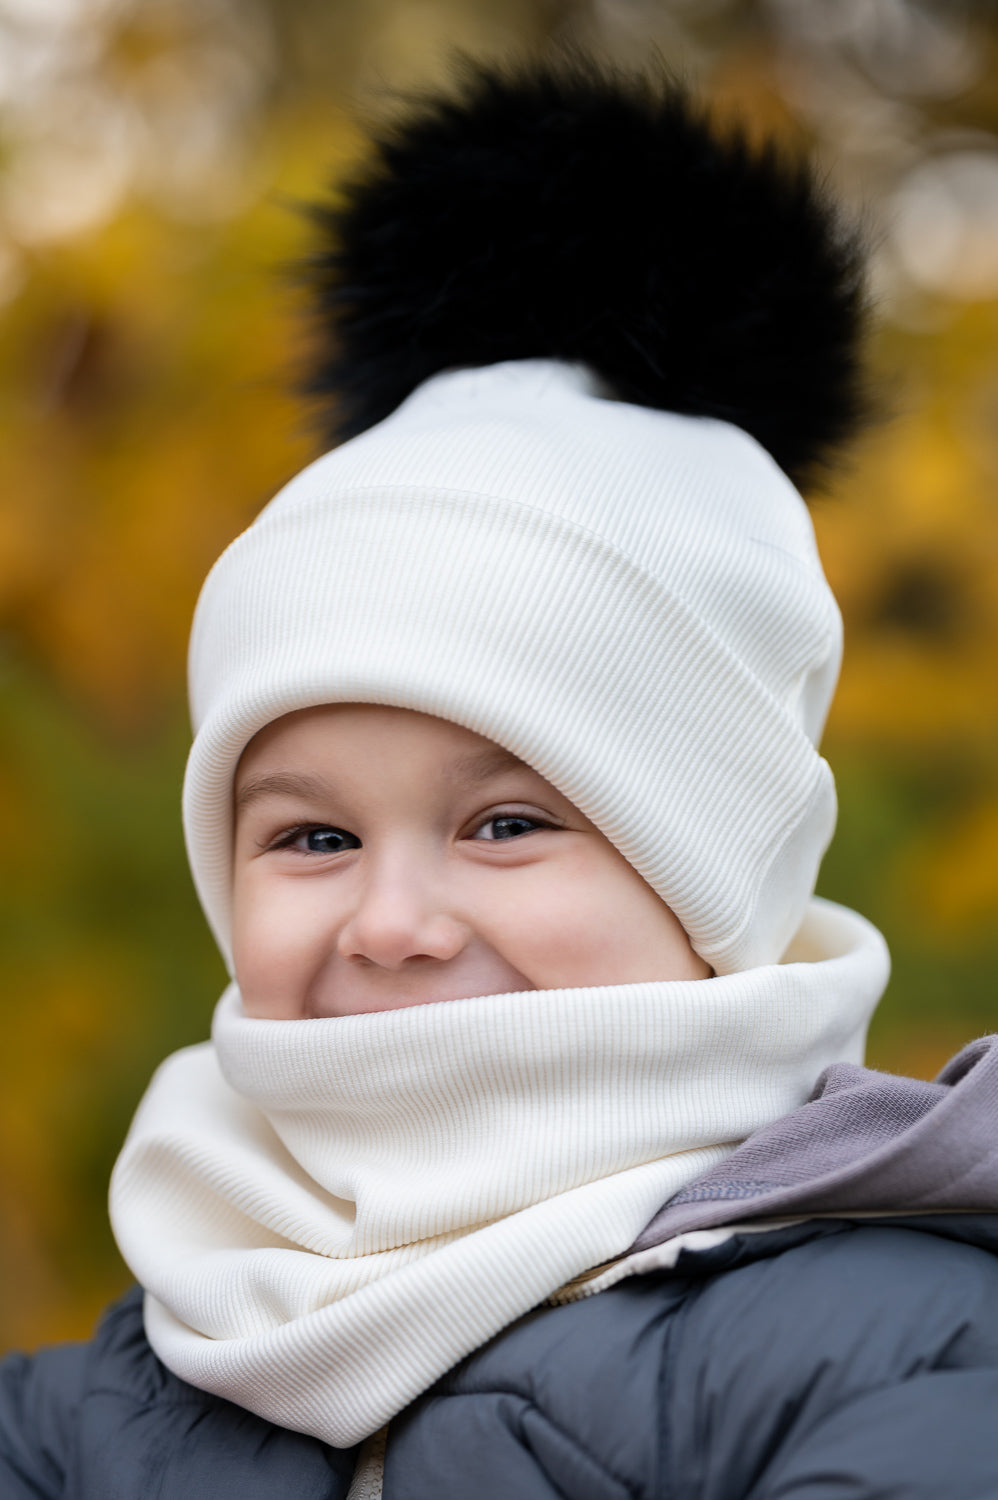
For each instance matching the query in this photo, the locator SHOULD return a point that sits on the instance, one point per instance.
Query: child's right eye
(319, 840)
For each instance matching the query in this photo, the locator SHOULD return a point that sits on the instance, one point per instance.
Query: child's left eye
(507, 826)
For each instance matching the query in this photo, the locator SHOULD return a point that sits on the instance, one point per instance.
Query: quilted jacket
(830, 1360)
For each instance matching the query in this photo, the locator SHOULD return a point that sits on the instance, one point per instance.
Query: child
(531, 1155)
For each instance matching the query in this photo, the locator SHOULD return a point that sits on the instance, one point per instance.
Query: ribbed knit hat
(625, 593)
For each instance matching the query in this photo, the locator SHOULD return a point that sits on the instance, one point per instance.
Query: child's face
(385, 858)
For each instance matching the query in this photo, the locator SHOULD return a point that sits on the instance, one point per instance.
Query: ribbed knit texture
(328, 1214)
(629, 600)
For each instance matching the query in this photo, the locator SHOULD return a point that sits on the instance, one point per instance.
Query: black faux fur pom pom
(563, 211)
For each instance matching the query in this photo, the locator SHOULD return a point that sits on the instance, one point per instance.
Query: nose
(400, 917)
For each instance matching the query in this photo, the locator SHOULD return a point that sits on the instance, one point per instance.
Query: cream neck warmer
(328, 1214)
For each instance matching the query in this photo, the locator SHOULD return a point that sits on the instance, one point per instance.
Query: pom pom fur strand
(568, 211)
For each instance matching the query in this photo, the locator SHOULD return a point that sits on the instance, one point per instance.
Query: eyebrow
(280, 784)
(470, 771)
(482, 765)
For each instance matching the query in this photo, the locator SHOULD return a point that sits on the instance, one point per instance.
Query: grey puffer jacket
(837, 1340)
(832, 1360)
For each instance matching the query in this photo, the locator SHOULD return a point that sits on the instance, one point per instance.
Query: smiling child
(386, 858)
(532, 1155)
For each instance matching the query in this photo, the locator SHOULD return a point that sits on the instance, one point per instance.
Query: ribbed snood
(328, 1214)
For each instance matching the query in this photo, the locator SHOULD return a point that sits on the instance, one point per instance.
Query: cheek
(576, 938)
(594, 921)
(276, 937)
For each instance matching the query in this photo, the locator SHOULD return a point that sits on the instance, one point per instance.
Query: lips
(361, 993)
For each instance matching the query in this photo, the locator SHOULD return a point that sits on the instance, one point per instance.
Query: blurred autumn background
(153, 154)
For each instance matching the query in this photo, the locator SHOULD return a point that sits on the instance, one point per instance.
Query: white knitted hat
(627, 598)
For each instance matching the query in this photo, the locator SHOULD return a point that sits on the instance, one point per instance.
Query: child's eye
(507, 826)
(319, 840)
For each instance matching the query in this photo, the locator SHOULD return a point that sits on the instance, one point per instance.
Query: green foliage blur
(154, 155)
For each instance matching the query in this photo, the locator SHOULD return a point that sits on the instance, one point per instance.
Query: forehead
(366, 739)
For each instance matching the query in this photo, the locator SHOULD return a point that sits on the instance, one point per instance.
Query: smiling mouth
(370, 999)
